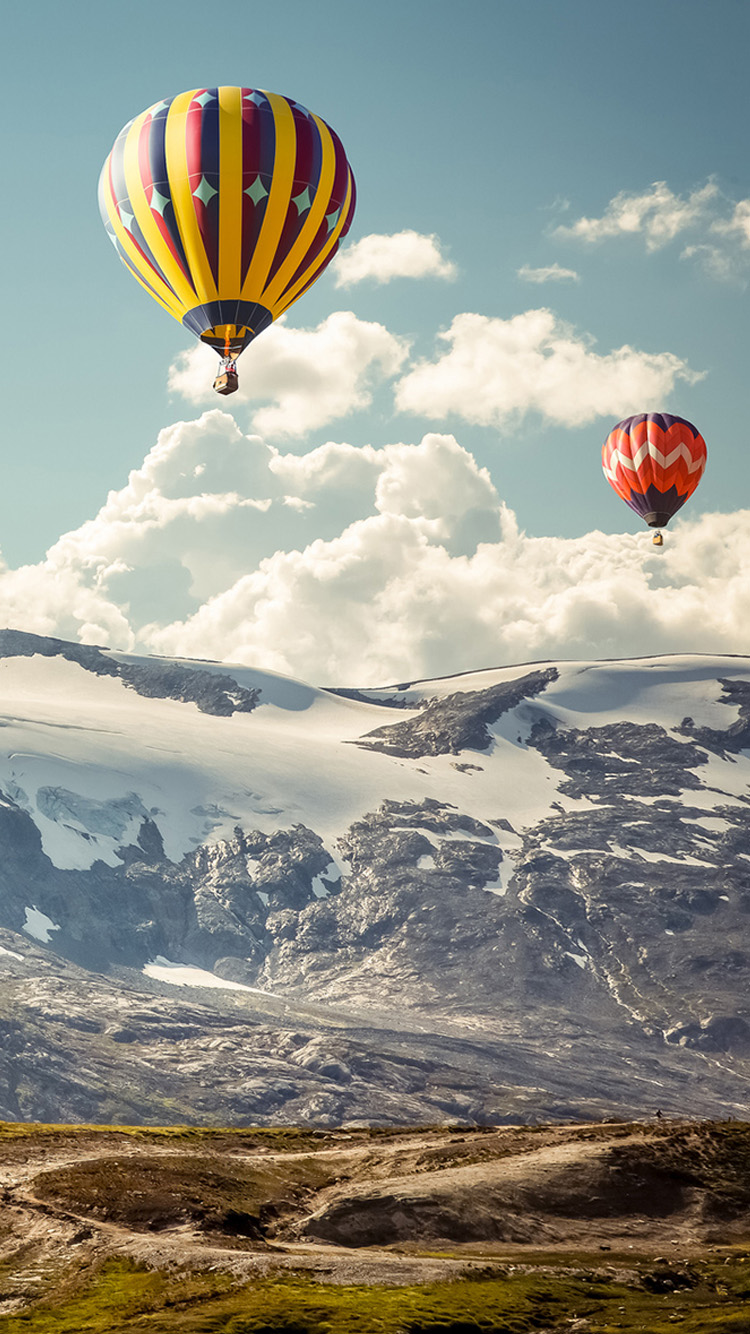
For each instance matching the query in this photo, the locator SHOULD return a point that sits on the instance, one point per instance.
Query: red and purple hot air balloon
(654, 461)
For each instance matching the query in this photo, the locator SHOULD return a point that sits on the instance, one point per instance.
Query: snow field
(89, 758)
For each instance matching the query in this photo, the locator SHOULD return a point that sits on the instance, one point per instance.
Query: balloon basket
(227, 381)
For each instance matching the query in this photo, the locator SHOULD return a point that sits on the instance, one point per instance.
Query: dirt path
(535, 1189)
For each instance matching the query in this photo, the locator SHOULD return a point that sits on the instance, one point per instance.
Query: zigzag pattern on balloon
(643, 455)
(678, 468)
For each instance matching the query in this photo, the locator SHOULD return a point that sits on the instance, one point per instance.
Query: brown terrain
(362, 1206)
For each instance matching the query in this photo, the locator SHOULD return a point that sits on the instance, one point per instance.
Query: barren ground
(652, 1208)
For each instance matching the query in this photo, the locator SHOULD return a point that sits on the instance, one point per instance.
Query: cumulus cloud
(496, 370)
(360, 566)
(657, 214)
(551, 273)
(406, 254)
(384, 602)
(311, 376)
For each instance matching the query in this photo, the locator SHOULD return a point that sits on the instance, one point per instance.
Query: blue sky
(493, 127)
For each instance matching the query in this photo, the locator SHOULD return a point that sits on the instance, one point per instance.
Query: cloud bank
(494, 372)
(360, 566)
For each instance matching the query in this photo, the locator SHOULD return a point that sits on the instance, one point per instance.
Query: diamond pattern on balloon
(302, 201)
(257, 190)
(158, 201)
(204, 191)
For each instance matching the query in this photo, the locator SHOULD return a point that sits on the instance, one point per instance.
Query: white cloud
(551, 273)
(737, 227)
(721, 262)
(496, 370)
(311, 376)
(406, 254)
(401, 562)
(724, 254)
(658, 214)
(383, 602)
(434, 478)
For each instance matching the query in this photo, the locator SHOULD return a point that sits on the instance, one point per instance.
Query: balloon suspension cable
(229, 360)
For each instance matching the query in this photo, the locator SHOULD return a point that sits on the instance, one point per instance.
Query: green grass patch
(123, 1297)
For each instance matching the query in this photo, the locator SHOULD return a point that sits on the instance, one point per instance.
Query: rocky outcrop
(215, 692)
(621, 759)
(736, 735)
(457, 722)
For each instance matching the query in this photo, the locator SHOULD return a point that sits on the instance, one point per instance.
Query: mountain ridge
(539, 866)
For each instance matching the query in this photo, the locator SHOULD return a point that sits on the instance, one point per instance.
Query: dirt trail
(370, 1216)
(56, 1229)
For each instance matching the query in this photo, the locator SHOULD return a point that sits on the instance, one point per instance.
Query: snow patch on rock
(39, 925)
(186, 975)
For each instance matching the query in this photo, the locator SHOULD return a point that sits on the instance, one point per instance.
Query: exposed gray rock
(593, 959)
(726, 1032)
(622, 759)
(736, 736)
(457, 722)
(216, 693)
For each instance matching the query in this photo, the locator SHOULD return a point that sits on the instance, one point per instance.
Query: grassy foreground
(644, 1297)
(221, 1219)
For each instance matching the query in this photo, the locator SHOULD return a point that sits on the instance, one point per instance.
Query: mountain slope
(519, 892)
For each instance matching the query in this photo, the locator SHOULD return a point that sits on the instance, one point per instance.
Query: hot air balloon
(654, 461)
(226, 204)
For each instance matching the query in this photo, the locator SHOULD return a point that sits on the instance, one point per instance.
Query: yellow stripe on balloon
(172, 310)
(230, 193)
(278, 200)
(143, 215)
(150, 280)
(291, 296)
(182, 199)
(315, 216)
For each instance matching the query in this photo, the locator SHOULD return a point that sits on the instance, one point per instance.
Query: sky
(552, 233)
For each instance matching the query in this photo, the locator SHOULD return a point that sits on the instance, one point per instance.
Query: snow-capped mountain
(229, 895)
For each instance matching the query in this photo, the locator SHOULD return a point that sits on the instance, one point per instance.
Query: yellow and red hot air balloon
(654, 461)
(226, 204)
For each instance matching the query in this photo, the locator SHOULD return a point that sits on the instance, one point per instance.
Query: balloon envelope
(226, 204)
(654, 461)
